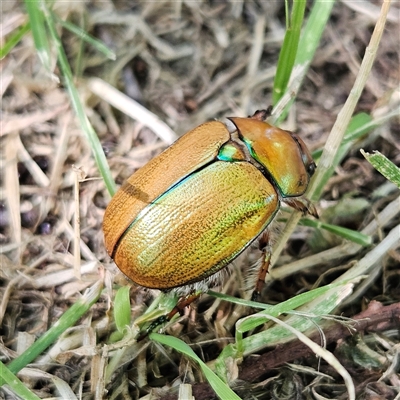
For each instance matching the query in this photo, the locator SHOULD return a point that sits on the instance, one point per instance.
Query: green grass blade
(358, 126)
(14, 39)
(277, 334)
(285, 307)
(288, 51)
(345, 233)
(307, 46)
(97, 44)
(281, 308)
(93, 139)
(38, 28)
(122, 308)
(67, 320)
(384, 166)
(222, 390)
(15, 384)
(313, 30)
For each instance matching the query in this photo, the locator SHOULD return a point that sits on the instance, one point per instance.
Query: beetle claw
(262, 115)
(303, 205)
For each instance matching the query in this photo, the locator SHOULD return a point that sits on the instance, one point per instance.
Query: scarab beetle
(191, 210)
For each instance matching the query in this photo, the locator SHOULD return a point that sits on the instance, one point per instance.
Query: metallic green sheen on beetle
(191, 210)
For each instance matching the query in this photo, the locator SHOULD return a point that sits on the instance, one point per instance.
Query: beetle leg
(303, 205)
(262, 115)
(264, 246)
(180, 306)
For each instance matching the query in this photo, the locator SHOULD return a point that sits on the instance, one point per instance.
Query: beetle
(194, 208)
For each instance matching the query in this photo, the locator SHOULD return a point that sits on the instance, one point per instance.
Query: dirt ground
(189, 62)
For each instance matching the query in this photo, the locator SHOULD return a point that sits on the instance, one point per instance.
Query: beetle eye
(311, 169)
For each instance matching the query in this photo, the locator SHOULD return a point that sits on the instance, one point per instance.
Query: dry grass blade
(326, 355)
(132, 108)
